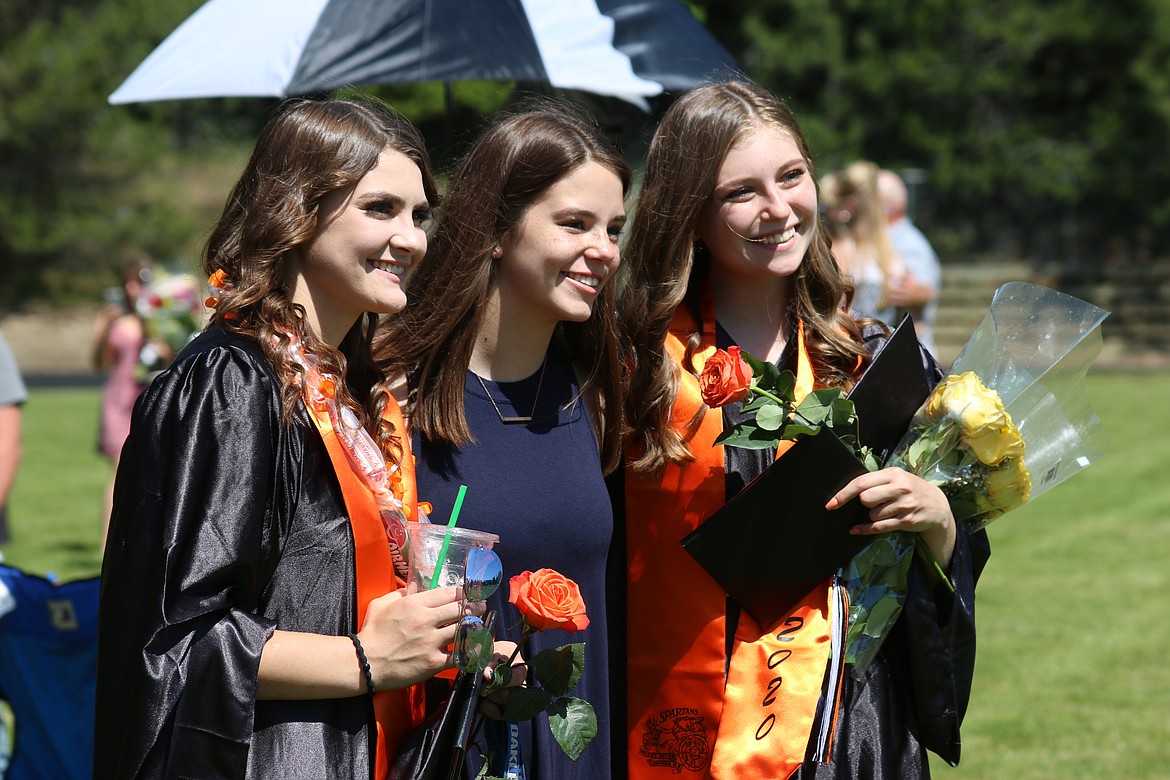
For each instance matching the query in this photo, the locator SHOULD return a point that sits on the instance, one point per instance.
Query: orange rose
(726, 377)
(548, 599)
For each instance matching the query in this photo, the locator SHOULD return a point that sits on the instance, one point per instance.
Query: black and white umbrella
(630, 49)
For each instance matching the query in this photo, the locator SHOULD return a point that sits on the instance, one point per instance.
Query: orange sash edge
(395, 712)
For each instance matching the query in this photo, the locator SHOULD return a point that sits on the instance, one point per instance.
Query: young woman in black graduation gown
(237, 607)
(726, 247)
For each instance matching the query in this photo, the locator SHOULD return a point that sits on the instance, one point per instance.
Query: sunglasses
(474, 640)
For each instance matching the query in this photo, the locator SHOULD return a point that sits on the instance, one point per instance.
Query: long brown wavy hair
(308, 149)
(666, 268)
(508, 167)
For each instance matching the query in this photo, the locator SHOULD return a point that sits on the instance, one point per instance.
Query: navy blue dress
(539, 487)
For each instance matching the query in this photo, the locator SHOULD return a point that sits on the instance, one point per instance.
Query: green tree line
(1039, 127)
(1042, 126)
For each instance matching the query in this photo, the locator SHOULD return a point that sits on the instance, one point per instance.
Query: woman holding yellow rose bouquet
(1010, 423)
(726, 250)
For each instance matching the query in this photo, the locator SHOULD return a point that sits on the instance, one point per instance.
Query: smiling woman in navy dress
(509, 340)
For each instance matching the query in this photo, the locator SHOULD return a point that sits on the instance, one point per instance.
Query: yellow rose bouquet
(964, 441)
(1008, 423)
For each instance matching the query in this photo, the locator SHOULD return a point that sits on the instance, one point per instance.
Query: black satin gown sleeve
(914, 694)
(227, 524)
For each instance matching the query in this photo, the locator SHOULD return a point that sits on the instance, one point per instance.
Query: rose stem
(925, 550)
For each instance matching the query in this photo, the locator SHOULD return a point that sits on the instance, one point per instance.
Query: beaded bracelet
(361, 654)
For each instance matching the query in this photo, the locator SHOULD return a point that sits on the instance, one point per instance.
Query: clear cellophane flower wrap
(1010, 422)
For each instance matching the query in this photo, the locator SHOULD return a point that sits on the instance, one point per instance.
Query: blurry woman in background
(861, 241)
(119, 336)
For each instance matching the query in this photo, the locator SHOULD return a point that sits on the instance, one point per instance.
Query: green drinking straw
(447, 536)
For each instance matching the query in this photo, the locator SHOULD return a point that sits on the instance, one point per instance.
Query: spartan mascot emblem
(676, 738)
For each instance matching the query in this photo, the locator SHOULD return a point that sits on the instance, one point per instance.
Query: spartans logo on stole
(676, 738)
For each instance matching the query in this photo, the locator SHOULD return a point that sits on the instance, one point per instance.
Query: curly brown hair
(665, 268)
(308, 149)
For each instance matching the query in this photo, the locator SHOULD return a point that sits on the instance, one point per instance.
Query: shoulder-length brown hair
(666, 268)
(508, 167)
(309, 149)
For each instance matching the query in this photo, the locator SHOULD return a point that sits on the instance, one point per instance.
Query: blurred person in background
(861, 242)
(12, 395)
(915, 291)
(119, 336)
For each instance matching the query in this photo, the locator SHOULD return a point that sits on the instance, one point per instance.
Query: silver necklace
(515, 419)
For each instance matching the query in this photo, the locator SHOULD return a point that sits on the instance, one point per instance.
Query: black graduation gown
(914, 694)
(227, 524)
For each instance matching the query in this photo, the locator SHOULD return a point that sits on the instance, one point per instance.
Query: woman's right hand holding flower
(507, 670)
(900, 501)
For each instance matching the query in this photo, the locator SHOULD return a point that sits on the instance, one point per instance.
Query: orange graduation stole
(396, 712)
(685, 716)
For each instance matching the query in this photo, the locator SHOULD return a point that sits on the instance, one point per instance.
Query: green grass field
(1073, 675)
(54, 513)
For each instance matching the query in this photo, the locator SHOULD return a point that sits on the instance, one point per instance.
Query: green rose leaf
(574, 724)
(749, 436)
(526, 704)
(770, 417)
(843, 412)
(783, 383)
(559, 669)
(869, 459)
(817, 407)
(919, 451)
(757, 402)
(758, 366)
(796, 430)
(885, 611)
(768, 377)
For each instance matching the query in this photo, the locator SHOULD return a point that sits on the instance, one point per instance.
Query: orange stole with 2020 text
(396, 712)
(685, 716)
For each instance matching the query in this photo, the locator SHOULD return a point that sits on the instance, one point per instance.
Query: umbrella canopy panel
(666, 44)
(289, 47)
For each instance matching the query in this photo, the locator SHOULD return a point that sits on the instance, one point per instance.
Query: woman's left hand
(900, 501)
(501, 678)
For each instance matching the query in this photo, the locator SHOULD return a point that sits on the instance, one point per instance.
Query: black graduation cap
(774, 541)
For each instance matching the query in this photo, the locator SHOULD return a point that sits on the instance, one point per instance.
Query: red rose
(726, 377)
(548, 599)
